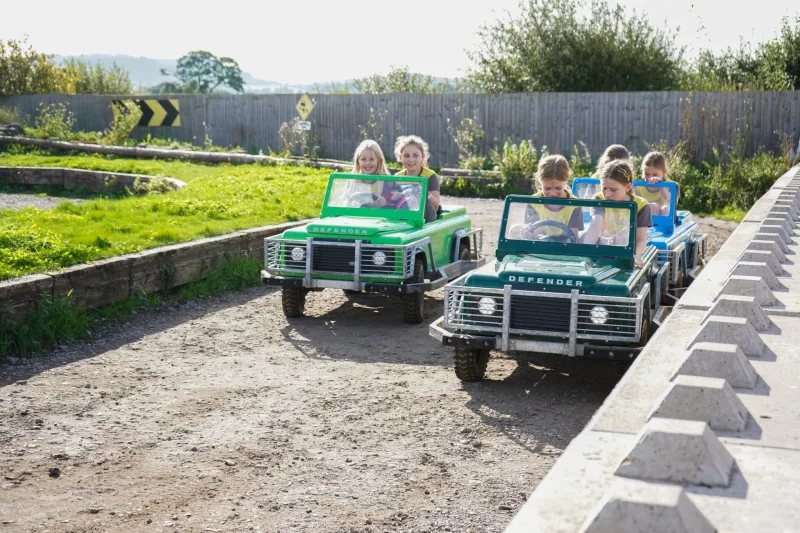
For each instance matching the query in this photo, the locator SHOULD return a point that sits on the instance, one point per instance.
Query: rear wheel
(463, 251)
(414, 302)
(294, 301)
(470, 363)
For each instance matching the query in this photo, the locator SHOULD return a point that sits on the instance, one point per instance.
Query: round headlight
(486, 305)
(379, 258)
(599, 315)
(298, 254)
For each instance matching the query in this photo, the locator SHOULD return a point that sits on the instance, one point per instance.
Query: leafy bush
(467, 136)
(97, 79)
(515, 161)
(126, 118)
(53, 121)
(295, 141)
(10, 116)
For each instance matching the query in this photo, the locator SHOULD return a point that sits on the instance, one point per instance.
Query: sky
(307, 41)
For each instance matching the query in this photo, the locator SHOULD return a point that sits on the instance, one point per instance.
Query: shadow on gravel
(149, 322)
(545, 402)
(367, 328)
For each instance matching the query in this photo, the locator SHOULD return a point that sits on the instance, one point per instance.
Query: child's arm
(592, 235)
(641, 244)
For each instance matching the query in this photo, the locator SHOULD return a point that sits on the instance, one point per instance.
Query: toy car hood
(356, 227)
(542, 272)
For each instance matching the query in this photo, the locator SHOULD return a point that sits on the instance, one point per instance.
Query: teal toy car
(372, 237)
(559, 285)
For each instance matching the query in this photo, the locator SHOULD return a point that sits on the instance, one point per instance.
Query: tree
(742, 69)
(551, 47)
(25, 71)
(202, 72)
(399, 80)
(97, 79)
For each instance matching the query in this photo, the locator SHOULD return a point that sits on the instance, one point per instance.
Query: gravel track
(221, 415)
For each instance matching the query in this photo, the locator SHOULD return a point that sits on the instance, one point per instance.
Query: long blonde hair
(381, 169)
(553, 167)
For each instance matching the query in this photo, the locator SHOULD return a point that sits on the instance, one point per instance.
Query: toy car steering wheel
(362, 199)
(553, 224)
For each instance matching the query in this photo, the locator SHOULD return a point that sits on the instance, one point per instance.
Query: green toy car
(372, 237)
(563, 283)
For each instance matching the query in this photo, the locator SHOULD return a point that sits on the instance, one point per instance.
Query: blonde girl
(553, 177)
(654, 170)
(369, 159)
(413, 153)
(611, 225)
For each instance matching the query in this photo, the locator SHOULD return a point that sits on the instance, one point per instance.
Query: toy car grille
(620, 322)
(334, 258)
(540, 313)
(464, 309)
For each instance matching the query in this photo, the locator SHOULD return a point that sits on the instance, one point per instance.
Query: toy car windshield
(374, 194)
(658, 195)
(578, 222)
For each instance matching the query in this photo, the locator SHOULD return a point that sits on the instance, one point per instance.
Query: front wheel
(470, 363)
(294, 301)
(414, 302)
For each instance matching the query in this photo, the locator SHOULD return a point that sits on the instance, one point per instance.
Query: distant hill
(145, 72)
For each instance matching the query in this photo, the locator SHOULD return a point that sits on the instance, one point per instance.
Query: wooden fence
(558, 120)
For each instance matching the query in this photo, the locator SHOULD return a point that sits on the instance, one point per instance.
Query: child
(413, 153)
(654, 170)
(395, 198)
(369, 159)
(612, 153)
(611, 225)
(553, 177)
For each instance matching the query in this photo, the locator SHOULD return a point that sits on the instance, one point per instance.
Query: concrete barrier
(111, 280)
(703, 431)
(76, 178)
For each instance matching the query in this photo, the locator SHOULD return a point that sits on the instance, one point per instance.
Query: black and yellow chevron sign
(156, 112)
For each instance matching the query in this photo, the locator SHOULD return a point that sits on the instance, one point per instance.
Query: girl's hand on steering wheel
(380, 202)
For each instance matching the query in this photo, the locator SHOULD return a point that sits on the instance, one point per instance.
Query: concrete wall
(558, 120)
(702, 434)
(112, 280)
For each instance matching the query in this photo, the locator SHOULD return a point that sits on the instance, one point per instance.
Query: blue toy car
(674, 233)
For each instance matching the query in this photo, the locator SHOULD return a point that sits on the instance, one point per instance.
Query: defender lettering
(546, 281)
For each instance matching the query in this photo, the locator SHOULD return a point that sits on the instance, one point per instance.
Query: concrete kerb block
(732, 330)
(776, 230)
(784, 211)
(681, 451)
(759, 256)
(791, 205)
(772, 237)
(639, 507)
(788, 226)
(768, 246)
(705, 399)
(742, 307)
(749, 286)
(793, 199)
(761, 270)
(717, 360)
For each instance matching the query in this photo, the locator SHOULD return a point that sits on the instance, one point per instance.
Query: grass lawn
(218, 199)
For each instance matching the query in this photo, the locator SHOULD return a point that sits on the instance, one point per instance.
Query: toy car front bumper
(519, 344)
(437, 280)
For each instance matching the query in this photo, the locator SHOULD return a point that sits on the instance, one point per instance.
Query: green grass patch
(54, 321)
(218, 199)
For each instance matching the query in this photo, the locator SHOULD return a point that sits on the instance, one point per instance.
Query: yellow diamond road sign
(304, 106)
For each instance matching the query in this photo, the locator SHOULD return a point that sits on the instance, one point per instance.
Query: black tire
(413, 303)
(470, 363)
(294, 301)
(645, 331)
(463, 251)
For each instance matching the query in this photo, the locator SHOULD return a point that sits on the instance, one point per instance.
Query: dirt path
(221, 415)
